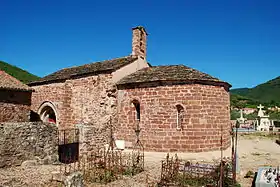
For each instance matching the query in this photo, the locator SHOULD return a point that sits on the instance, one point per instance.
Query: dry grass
(260, 135)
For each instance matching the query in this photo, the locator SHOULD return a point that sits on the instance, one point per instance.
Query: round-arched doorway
(48, 113)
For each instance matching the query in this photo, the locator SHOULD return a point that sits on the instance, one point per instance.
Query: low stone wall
(27, 141)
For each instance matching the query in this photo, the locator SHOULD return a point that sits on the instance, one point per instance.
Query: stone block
(29, 163)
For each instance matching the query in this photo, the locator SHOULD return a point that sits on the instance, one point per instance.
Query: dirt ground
(254, 151)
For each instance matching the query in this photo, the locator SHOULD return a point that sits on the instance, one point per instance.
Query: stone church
(178, 108)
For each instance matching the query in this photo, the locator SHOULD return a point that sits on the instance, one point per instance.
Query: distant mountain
(18, 73)
(266, 93)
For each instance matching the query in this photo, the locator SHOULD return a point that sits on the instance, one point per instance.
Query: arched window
(137, 110)
(180, 116)
(48, 113)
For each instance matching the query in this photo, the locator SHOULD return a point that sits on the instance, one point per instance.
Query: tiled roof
(96, 67)
(8, 82)
(168, 73)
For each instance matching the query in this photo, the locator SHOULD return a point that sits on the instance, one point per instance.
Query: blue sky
(235, 40)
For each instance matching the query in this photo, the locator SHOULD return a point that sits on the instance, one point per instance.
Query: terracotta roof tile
(168, 73)
(8, 82)
(96, 67)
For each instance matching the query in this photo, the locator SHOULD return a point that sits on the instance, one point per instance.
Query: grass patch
(264, 135)
(249, 174)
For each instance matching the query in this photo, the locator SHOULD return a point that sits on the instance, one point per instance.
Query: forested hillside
(267, 93)
(18, 73)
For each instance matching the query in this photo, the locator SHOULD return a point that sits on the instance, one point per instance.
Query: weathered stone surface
(75, 179)
(139, 42)
(206, 110)
(92, 137)
(28, 163)
(14, 106)
(88, 99)
(27, 141)
(52, 92)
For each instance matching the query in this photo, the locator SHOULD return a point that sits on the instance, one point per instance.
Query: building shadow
(34, 116)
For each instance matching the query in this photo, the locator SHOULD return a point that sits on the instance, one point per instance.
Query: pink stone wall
(14, 106)
(90, 99)
(206, 110)
(54, 93)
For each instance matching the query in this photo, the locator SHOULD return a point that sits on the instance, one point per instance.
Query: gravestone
(263, 123)
(241, 120)
(267, 177)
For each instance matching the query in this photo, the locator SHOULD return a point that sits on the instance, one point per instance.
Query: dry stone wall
(206, 110)
(27, 141)
(14, 106)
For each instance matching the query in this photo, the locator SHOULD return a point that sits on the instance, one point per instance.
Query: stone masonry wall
(27, 141)
(90, 99)
(93, 99)
(206, 109)
(93, 104)
(14, 106)
(92, 137)
(54, 93)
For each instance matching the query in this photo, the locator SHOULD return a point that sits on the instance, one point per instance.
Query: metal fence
(68, 145)
(105, 166)
(101, 165)
(186, 173)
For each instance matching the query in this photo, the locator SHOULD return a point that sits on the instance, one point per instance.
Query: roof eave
(70, 77)
(18, 89)
(194, 81)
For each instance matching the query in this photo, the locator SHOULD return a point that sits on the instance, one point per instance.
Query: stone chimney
(139, 42)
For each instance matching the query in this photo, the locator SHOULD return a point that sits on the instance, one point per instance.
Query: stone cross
(260, 107)
(241, 114)
(241, 119)
(260, 113)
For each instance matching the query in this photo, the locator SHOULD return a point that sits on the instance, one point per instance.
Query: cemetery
(261, 124)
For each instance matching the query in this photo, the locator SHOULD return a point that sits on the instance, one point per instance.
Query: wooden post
(221, 167)
(232, 154)
(235, 151)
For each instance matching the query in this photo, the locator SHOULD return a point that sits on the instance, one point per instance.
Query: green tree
(274, 115)
(251, 116)
(234, 114)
